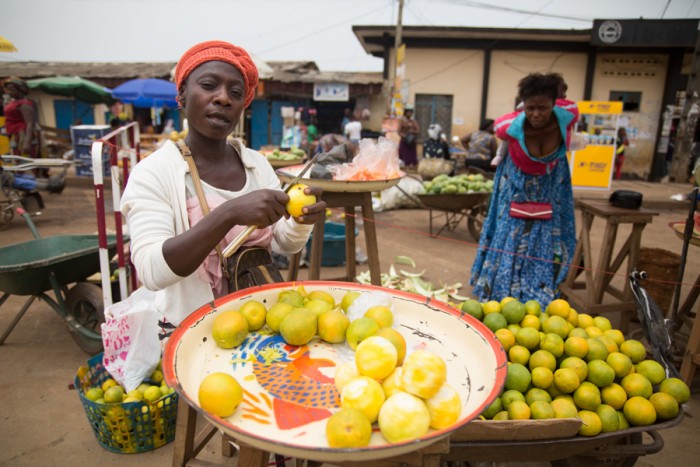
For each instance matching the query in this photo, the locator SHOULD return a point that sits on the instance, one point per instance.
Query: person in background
(21, 121)
(173, 244)
(481, 146)
(312, 135)
(528, 237)
(621, 144)
(353, 129)
(436, 144)
(408, 131)
(346, 119)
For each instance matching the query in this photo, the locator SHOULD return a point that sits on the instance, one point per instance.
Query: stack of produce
(403, 394)
(463, 183)
(293, 154)
(564, 364)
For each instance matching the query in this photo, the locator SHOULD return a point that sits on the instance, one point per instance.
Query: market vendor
(173, 243)
(528, 237)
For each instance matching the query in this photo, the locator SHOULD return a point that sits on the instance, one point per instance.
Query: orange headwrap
(219, 51)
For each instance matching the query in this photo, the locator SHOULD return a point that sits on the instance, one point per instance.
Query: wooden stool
(348, 201)
(587, 296)
(188, 442)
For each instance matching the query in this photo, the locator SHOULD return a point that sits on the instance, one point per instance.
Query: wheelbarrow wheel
(590, 461)
(85, 305)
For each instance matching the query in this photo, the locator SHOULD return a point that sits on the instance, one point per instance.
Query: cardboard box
(83, 157)
(517, 430)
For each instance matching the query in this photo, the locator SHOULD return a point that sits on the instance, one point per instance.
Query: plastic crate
(83, 156)
(333, 245)
(131, 427)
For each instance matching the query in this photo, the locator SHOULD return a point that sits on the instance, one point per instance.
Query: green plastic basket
(130, 427)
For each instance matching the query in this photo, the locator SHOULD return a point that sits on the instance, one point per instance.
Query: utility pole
(394, 63)
(689, 120)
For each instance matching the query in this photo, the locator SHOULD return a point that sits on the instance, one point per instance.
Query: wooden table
(348, 201)
(587, 296)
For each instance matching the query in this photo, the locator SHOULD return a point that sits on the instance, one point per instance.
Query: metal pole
(394, 62)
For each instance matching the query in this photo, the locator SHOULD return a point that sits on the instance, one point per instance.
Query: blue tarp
(147, 92)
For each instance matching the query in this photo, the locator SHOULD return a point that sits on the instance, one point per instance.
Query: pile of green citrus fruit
(110, 392)
(463, 183)
(564, 364)
(405, 395)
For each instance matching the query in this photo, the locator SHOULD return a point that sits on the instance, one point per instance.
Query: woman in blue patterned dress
(528, 237)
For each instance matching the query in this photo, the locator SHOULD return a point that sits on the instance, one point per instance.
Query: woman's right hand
(261, 208)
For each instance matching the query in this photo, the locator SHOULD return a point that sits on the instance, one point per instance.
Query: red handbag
(531, 210)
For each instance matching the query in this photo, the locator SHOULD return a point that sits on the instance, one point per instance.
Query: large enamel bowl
(287, 174)
(289, 391)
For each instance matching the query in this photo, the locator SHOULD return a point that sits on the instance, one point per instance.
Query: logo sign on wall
(331, 92)
(610, 32)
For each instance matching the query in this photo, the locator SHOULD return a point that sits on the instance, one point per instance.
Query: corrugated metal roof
(111, 74)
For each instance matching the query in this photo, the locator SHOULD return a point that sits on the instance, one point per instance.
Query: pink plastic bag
(375, 161)
(130, 338)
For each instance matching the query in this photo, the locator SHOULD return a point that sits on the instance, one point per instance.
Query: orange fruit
(491, 306)
(652, 369)
(613, 395)
(528, 338)
(392, 383)
(587, 396)
(557, 325)
(509, 396)
(518, 377)
(596, 349)
(363, 393)
(563, 408)
(375, 357)
(381, 314)
(348, 428)
(533, 307)
(541, 410)
(229, 329)
(506, 338)
(530, 321)
(620, 363)
(360, 329)
(519, 354)
(514, 311)
(602, 323)
(495, 407)
(519, 410)
(219, 393)
(677, 388)
(591, 424)
(298, 200)
(665, 405)
(600, 373)
(576, 364)
(403, 417)
(585, 320)
(254, 312)
(542, 377)
(423, 373)
(634, 349)
(559, 307)
(321, 295)
(552, 343)
(566, 380)
(445, 407)
(576, 347)
(608, 418)
(299, 326)
(537, 394)
(396, 338)
(332, 326)
(542, 358)
(636, 384)
(639, 411)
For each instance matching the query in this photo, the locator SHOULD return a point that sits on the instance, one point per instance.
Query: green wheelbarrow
(36, 267)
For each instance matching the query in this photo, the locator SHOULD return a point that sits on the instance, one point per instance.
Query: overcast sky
(318, 30)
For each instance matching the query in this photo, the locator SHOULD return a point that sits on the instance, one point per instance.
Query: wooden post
(689, 120)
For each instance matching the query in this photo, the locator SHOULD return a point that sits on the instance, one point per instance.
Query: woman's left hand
(313, 212)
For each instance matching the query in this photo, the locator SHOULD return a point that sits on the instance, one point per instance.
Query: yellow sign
(599, 107)
(400, 54)
(4, 140)
(592, 167)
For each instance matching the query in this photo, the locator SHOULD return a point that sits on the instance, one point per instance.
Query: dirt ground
(43, 423)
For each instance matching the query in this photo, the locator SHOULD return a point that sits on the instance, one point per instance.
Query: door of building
(72, 112)
(433, 108)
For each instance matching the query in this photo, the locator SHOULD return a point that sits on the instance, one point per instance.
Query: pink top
(210, 269)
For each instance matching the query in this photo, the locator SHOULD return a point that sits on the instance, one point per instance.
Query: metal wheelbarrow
(38, 266)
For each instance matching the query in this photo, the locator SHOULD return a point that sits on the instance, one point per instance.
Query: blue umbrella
(147, 92)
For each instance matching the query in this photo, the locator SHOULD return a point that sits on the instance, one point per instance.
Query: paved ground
(42, 422)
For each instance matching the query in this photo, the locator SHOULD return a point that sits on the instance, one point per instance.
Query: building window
(630, 100)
